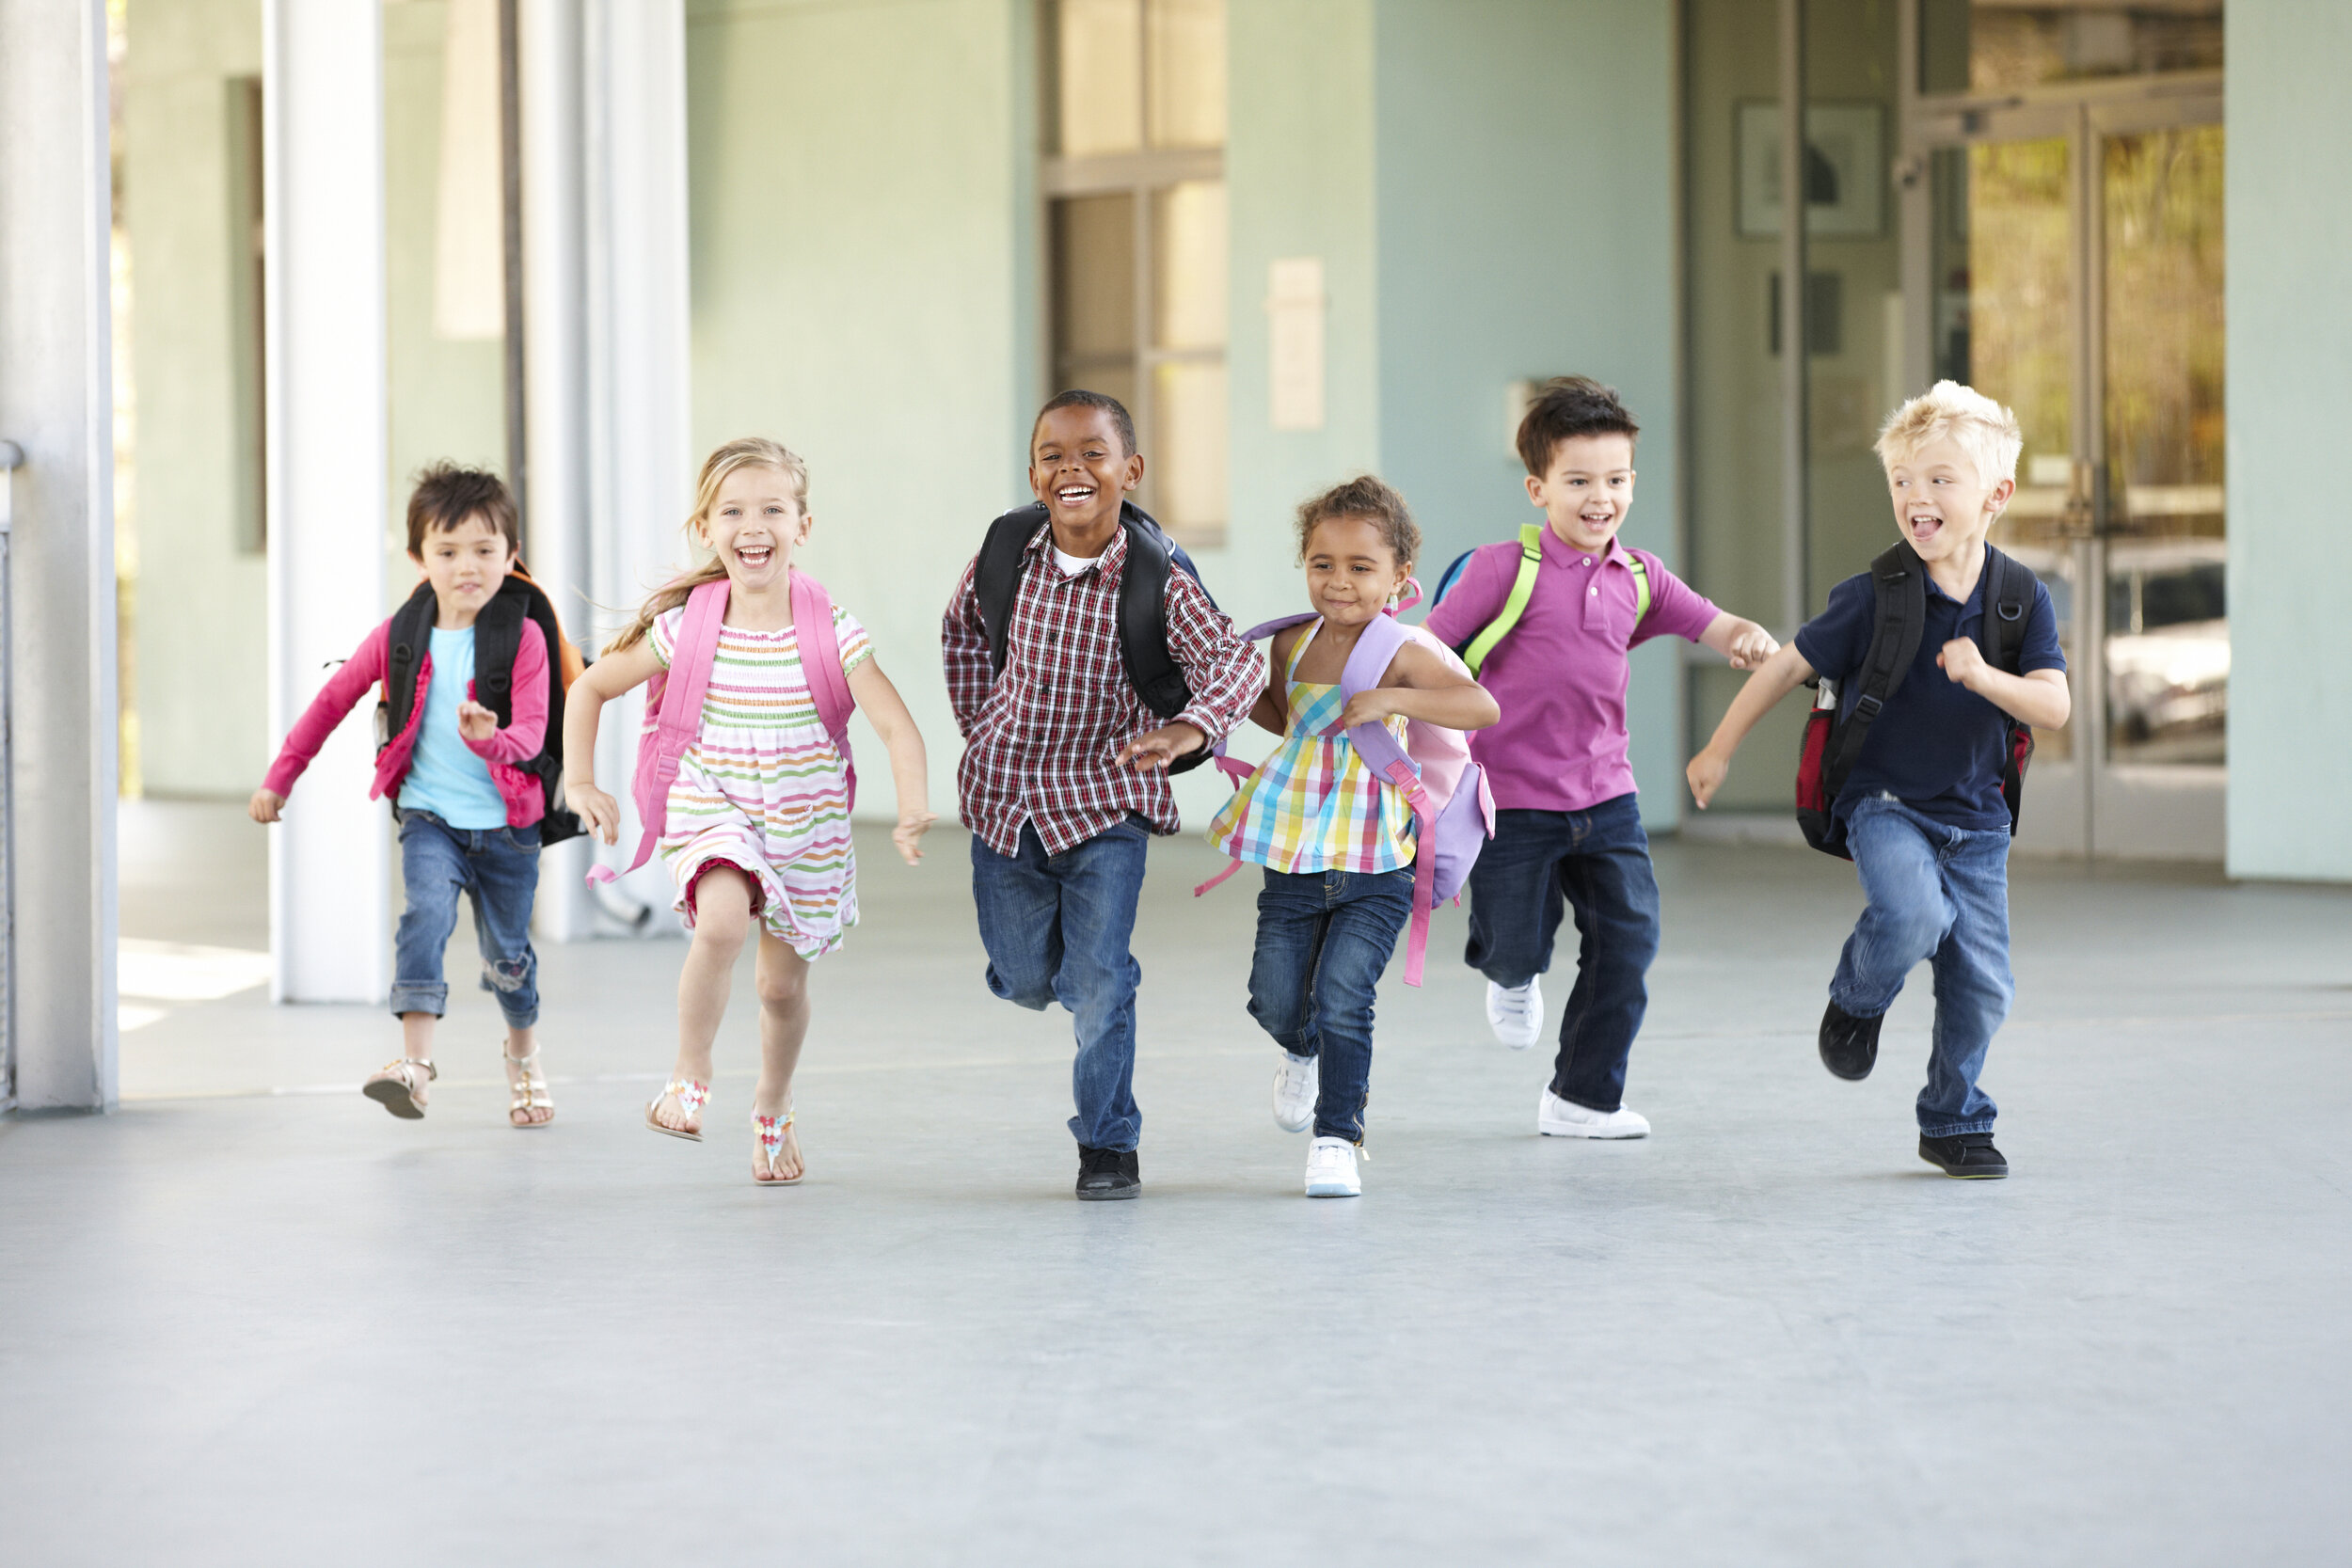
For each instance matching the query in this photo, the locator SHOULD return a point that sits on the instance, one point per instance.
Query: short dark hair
(447, 495)
(1375, 503)
(1570, 405)
(1121, 420)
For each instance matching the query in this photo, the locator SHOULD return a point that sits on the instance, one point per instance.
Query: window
(1135, 182)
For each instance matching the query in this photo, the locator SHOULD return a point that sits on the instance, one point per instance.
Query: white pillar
(330, 888)
(56, 402)
(641, 468)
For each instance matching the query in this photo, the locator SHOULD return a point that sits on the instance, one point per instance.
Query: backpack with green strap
(1474, 652)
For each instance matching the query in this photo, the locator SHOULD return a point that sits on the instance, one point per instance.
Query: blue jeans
(1937, 893)
(1597, 862)
(499, 869)
(1057, 929)
(1322, 938)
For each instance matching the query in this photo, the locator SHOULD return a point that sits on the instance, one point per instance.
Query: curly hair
(1366, 498)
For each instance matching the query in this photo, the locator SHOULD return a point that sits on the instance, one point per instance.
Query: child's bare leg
(416, 1043)
(723, 921)
(783, 981)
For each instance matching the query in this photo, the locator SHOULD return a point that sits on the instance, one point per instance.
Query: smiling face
(754, 526)
(465, 565)
(1080, 468)
(1942, 502)
(1588, 488)
(1352, 571)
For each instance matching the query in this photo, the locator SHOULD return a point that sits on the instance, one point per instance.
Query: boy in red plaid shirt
(1064, 777)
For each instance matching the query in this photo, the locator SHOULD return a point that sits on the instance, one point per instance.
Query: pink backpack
(673, 699)
(1454, 811)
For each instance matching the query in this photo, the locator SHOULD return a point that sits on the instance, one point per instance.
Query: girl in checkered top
(755, 825)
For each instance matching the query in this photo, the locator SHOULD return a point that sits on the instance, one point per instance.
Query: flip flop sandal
(394, 1088)
(691, 1096)
(770, 1132)
(529, 1093)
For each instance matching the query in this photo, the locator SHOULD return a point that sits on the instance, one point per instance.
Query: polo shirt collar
(1976, 595)
(1615, 550)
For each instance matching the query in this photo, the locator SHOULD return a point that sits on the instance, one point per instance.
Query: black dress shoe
(1850, 1045)
(1107, 1173)
(1970, 1156)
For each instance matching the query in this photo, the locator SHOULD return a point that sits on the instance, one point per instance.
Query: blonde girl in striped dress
(1336, 843)
(757, 823)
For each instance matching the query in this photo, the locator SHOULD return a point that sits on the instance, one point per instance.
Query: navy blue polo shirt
(1937, 746)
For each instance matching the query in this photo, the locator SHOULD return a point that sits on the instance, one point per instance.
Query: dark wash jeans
(499, 869)
(1322, 938)
(1597, 862)
(1941, 894)
(1057, 928)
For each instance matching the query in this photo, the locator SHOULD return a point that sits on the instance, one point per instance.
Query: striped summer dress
(763, 786)
(1313, 805)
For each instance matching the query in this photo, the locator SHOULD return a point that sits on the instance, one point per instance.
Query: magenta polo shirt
(1560, 677)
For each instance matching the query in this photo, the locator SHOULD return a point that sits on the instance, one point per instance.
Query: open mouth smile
(754, 556)
(1074, 494)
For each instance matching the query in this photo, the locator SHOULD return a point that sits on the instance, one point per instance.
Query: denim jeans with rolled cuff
(498, 868)
(1939, 893)
(1596, 863)
(1323, 938)
(1057, 928)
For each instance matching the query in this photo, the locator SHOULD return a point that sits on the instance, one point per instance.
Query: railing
(12, 458)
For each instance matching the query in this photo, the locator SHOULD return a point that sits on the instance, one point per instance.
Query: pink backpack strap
(675, 703)
(820, 666)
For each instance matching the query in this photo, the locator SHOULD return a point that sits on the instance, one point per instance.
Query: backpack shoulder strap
(409, 636)
(498, 637)
(1143, 617)
(1640, 588)
(820, 655)
(1899, 580)
(2008, 594)
(1515, 606)
(996, 575)
(1376, 649)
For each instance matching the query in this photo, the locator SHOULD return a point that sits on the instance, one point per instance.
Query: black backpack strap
(498, 637)
(1143, 615)
(405, 643)
(2008, 594)
(1899, 622)
(996, 577)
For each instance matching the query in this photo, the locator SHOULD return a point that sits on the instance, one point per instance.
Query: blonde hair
(1987, 432)
(751, 452)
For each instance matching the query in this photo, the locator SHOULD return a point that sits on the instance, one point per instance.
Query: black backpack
(1831, 747)
(1142, 604)
(498, 637)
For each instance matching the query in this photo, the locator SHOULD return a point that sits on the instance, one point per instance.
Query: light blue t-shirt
(445, 777)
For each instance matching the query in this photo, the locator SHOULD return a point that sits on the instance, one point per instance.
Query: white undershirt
(1071, 564)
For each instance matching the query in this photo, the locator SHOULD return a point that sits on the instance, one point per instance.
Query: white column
(330, 888)
(56, 402)
(641, 468)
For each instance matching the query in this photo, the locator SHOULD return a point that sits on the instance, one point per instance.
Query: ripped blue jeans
(499, 869)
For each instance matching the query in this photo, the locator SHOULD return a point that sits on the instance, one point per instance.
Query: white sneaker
(1295, 1084)
(1332, 1169)
(1564, 1119)
(1517, 1012)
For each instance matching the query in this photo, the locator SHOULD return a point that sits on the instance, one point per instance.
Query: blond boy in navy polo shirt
(1923, 809)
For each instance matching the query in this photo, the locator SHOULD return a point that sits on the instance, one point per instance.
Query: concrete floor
(263, 1329)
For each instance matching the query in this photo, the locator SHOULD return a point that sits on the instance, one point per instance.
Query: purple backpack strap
(820, 666)
(675, 704)
(1374, 651)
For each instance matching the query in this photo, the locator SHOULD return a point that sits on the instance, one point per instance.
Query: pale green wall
(864, 291)
(1526, 227)
(2290, 403)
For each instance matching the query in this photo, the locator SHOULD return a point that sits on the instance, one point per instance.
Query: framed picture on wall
(1844, 169)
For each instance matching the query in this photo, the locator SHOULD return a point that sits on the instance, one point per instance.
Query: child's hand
(599, 811)
(1963, 662)
(1706, 774)
(1751, 646)
(264, 804)
(476, 723)
(1156, 748)
(1373, 705)
(908, 834)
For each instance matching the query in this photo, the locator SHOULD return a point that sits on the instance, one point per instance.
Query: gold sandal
(692, 1097)
(770, 1130)
(529, 1093)
(395, 1087)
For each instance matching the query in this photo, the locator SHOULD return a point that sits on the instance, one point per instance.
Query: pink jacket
(519, 742)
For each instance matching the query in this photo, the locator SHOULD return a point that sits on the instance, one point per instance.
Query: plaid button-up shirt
(1042, 740)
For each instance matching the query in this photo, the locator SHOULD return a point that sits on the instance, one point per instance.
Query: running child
(754, 824)
(466, 790)
(1072, 611)
(1925, 808)
(1568, 826)
(1337, 843)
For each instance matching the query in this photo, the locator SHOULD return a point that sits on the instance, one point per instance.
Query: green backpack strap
(1522, 589)
(1640, 588)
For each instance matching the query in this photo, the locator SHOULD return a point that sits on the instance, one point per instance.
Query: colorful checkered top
(1313, 805)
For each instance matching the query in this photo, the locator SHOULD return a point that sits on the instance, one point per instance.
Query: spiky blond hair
(1987, 432)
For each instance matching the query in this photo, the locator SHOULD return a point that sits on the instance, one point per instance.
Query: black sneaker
(1970, 1156)
(1850, 1045)
(1107, 1173)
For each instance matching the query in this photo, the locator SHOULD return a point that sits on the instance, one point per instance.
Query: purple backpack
(673, 699)
(1452, 807)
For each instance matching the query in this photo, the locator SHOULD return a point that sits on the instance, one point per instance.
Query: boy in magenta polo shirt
(1567, 828)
